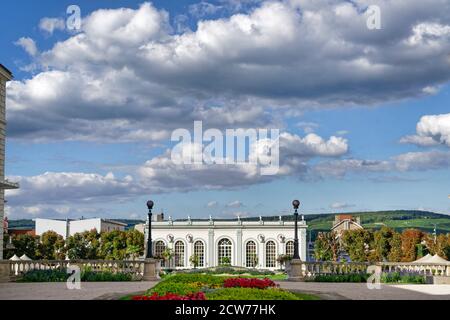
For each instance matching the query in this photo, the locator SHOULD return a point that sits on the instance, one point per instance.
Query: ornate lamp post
(296, 204)
(150, 204)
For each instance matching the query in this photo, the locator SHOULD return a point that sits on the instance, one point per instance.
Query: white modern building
(68, 228)
(252, 244)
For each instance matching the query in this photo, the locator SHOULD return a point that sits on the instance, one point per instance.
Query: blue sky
(90, 112)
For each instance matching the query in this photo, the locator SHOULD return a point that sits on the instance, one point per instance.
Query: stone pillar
(151, 270)
(5, 271)
(302, 245)
(211, 247)
(239, 248)
(261, 254)
(295, 270)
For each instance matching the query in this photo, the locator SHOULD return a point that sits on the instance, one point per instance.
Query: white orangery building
(252, 244)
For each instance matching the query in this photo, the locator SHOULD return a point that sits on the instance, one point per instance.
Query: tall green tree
(113, 245)
(395, 254)
(83, 245)
(382, 243)
(24, 244)
(327, 247)
(50, 247)
(357, 244)
(135, 244)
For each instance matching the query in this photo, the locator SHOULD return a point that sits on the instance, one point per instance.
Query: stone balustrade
(311, 269)
(139, 269)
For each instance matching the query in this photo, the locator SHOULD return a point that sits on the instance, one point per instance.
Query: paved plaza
(115, 290)
(359, 291)
(59, 291)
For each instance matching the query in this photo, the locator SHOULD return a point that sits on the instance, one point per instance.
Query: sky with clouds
(364, 114)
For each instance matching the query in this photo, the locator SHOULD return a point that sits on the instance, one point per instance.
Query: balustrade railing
(133, 267)
(312, 269)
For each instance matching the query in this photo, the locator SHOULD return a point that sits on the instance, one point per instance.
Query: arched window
(159, 250)
(271, 254)
(199, 251)
(251, 259)
(179, 254)
(224, 256)
(290, 248)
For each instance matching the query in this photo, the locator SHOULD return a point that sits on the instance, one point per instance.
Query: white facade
(5, 75)
(240, 241)
(68, 228)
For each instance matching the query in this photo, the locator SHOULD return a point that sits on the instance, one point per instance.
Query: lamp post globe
(296, 205)
(149, 254)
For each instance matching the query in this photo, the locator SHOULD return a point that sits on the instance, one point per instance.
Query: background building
(344, 222)
(68, 228)
(252, 244)
(5, 75)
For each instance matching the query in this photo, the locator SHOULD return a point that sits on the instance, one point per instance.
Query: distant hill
(398, 219)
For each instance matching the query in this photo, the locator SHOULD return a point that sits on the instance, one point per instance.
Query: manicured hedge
(341, 278)
(231, 270)
(250, 294)
(396, 277)
(62, 276)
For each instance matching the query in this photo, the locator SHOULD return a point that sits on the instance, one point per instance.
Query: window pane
(290, 248)
(271, 254)
(251, 259)
(224, 251)
(159, 250)
(199, 251)
(179, 254)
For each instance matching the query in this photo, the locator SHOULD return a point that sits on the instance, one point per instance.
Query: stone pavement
(115, 290)
(59, 291)
(359, 291)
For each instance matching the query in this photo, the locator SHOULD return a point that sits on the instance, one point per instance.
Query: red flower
(248, 283)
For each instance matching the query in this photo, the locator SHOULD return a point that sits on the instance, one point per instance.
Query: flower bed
(248, 283)
(172, 296)
(209, 287)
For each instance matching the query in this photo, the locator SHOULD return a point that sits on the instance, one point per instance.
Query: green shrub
(356, 277)
(230, 270)
(45, 276)
(396, 277)
(104, 276)
(206, 279)
(62, 276)
(179, 288)
(250, 294)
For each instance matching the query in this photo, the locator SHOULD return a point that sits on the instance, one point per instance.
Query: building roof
(115, 222)
(350, 221)
(6, 71)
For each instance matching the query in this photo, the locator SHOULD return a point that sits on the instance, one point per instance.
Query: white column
(238, 251)
(261, 254)
(211, 248)
(302, 244)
